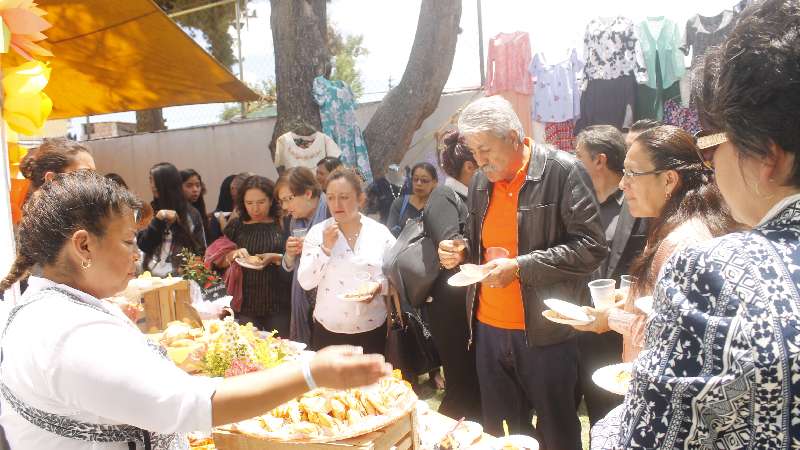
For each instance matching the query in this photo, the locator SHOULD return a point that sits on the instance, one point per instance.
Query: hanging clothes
(611, 50)
(686, 118)
(508, 59)
(337, 109)
(507, 73)
(293, 150)
(661, 44)
(557, 95)
(608, 102)
(704, 32)
(561, 135)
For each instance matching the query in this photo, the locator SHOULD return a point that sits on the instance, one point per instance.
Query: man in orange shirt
(537, 204)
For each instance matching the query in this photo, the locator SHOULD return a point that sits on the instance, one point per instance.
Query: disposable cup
(602, 293)
(493, 253)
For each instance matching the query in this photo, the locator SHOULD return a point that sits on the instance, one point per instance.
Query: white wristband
(307, 375)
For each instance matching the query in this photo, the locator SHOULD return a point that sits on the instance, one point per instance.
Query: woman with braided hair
(76, 373)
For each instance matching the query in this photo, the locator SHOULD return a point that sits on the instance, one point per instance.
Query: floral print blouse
(611, 50)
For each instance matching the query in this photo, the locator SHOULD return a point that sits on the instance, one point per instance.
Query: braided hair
(74, 201)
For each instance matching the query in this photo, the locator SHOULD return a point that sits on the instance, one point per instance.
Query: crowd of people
(708, 225)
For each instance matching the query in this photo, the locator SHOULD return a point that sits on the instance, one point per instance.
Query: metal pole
(480, 44)
(199, 8)
(239, 49)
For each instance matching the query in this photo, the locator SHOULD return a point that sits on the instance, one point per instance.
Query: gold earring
(86, 264)
(667, 195)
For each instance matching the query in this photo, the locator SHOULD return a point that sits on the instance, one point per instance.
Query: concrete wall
(219, 150)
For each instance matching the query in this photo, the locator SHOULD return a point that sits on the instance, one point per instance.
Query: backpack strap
(406, 199)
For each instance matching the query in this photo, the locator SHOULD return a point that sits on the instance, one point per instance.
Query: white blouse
(289, 154)
(75, 361)
(334, 276)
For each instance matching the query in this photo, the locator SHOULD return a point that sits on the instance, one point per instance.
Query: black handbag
(409, 346)
(412, 264)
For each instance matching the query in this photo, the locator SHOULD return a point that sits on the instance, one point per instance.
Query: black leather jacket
(560, 238)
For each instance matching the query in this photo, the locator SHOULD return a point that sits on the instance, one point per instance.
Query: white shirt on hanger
(334, 275)
(288, 154)
(74, 361)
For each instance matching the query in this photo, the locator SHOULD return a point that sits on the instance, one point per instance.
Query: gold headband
(711, 140)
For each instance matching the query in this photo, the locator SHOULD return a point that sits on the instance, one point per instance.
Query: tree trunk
(402, 111)
(150, 120)
(299, 33)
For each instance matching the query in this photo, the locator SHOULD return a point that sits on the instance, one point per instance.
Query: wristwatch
(516, 273)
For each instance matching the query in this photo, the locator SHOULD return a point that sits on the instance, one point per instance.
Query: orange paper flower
(22, 27)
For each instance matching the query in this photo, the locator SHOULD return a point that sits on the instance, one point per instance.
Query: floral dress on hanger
(337, 109)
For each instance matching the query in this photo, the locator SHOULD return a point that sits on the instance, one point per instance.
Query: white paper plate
(645, 304)
(553, 316)
(520, 441)
(469, 274)
(466, 434)
(344, 298)
(608, 378)
(243, 262)
(568, 310)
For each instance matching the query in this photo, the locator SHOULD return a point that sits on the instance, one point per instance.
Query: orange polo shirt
(502, 307)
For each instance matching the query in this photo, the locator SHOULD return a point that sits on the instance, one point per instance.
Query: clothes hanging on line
(557, 94)
(611, 50)
(608, 102)
(661, 43)
(686, 118)
(561, 135)
(507, 62)
(704, 32)
(337, 109)
(293, 150)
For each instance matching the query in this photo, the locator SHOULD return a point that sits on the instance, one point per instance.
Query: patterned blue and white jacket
(721, 364)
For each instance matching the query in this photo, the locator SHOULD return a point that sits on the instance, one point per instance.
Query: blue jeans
(516, 380)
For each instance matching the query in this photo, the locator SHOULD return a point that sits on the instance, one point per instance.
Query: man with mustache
(537, 203)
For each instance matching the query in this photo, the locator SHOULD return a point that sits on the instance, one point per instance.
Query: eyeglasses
(286, 200)
(630, 174)
(421, 180)
(707, 143)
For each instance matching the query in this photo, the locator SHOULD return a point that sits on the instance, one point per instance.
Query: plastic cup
(299, 232)
(493, 253)
(626, 281)
(602, 293)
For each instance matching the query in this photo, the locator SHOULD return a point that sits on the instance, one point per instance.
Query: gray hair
(490, 115)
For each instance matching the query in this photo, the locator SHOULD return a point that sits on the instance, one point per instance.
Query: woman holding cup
(348, 308)
(301, 197)
(663, 179)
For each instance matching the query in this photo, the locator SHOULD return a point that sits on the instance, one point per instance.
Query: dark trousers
(371, 341)
(278, 322)
(447, 319)
(516, 379)
(596, 351)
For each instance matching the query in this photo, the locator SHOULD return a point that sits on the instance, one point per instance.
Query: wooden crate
(168, 303)
(401, 435)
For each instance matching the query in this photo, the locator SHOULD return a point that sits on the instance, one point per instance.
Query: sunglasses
(707, 143)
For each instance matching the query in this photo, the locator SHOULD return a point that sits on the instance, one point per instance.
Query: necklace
(391, 189)
(352, 240)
